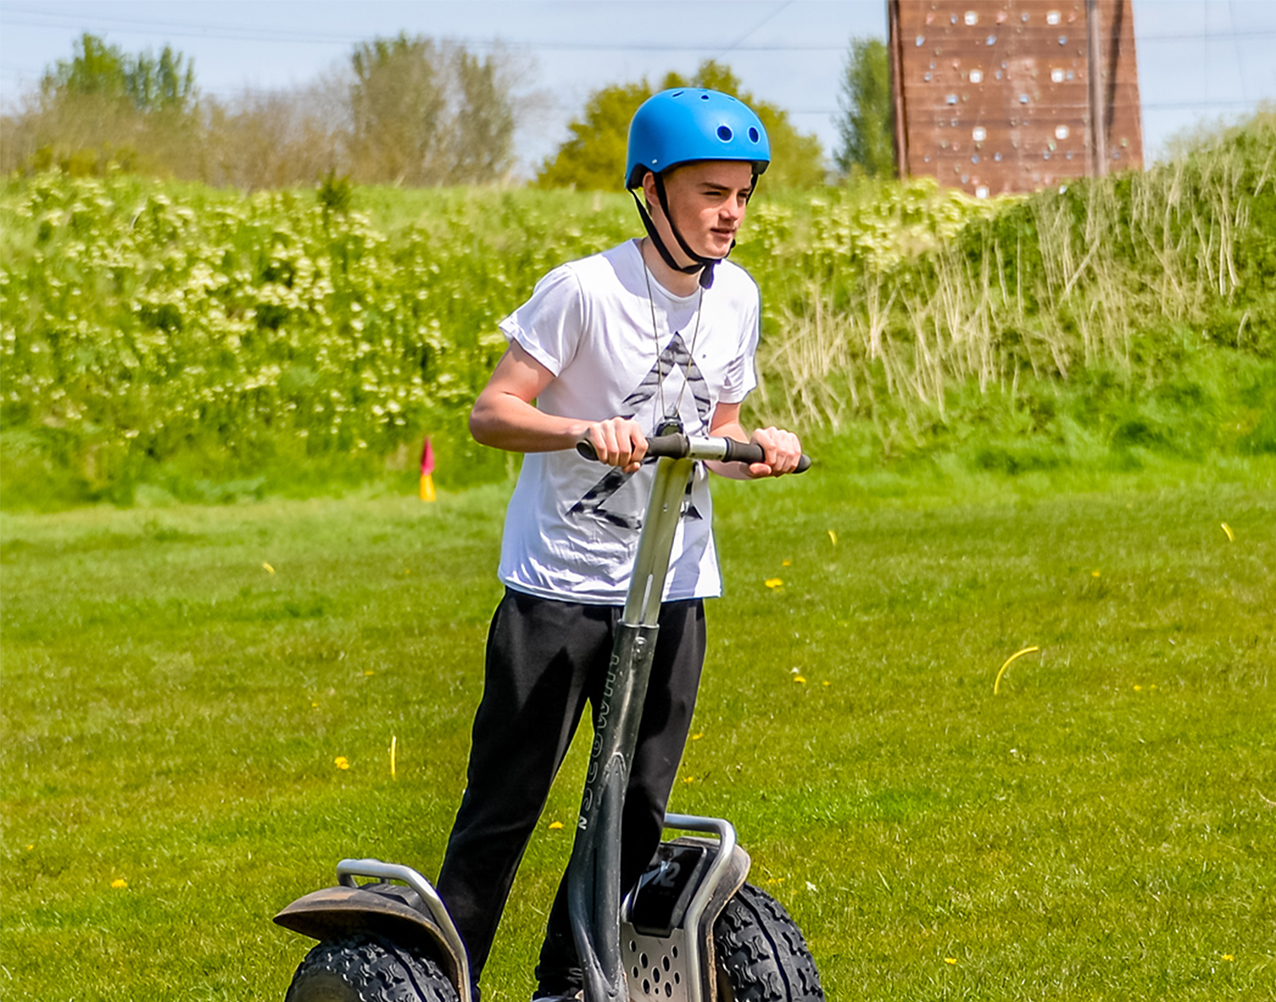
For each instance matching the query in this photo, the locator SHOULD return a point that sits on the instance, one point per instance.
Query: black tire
(364, 969)
(762, 956)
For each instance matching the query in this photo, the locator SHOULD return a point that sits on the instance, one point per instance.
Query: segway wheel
(363, 969)
(762, 956)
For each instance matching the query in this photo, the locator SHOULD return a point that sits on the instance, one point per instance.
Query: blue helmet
(686, 124)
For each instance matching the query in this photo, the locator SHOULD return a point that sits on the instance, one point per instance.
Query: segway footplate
(666, 927)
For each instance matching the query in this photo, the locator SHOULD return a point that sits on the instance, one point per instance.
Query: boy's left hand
(782, 450)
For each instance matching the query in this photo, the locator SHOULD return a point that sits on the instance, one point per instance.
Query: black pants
(545, 659)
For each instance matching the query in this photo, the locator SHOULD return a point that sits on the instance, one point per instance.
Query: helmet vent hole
(678, 93)
(754, 136)
(704, 97)
(724, 133)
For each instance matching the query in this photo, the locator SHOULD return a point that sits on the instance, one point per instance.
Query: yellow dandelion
(1231, 538)
(688, 779)
(833, 537)
(1094, 574)
(786, 563)
(314, 705)
(120, 885)
(269, 569)
(366, 673)
(774, 582)
(1138, 688)
(799, 678)
(555, 825)
(341, 762)
(697, 737)
(950, 960)
(825, 682)
(1228, 956)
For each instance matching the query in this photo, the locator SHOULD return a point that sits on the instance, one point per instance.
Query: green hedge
(211, 345)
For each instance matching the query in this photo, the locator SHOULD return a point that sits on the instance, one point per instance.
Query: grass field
(181, 685)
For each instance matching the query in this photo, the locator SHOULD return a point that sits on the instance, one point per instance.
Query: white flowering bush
(143, 323)
(175, 334)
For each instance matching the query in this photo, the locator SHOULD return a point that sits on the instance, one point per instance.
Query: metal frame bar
(700, 900)
(651, 565)
(348, 869)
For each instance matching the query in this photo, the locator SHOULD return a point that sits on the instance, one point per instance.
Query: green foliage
(1095, 830)
(165, 335)
(594, 157)
(336, 194)
(151, 84)
(176, 338)
(1148, 277)
(866, 121)
(410, 110)
(105, 110)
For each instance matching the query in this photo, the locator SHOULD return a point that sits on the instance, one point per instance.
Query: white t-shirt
(571, 531)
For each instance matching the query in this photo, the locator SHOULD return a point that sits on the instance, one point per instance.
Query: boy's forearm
(504, 421)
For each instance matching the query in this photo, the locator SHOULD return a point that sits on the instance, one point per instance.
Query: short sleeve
(548, 326)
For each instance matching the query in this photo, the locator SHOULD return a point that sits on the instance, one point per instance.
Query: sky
(1199, 60)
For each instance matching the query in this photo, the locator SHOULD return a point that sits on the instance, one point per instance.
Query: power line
(180, 29)
(734, 46)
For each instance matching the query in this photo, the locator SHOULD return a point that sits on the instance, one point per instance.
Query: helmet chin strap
(703, 265)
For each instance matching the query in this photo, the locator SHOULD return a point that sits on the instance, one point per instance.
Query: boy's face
(707, 201)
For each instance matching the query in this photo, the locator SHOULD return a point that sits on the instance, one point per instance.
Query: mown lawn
(179, 682)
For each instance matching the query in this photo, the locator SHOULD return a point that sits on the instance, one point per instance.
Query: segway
(691, 930)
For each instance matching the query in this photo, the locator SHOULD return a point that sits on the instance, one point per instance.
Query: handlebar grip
(677, 446)
(750, 452)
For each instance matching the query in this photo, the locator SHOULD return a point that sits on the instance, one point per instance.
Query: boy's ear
(649, 190)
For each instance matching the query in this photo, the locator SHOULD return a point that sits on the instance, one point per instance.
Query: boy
(610, 348)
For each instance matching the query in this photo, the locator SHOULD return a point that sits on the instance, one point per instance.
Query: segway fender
(386, 910)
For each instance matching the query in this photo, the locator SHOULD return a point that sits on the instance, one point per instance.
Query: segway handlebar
(678, 446)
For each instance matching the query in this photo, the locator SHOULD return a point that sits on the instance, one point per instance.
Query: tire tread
(368, 969)
(762, 951)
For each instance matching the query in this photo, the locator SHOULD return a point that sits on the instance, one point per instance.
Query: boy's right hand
(618, 442)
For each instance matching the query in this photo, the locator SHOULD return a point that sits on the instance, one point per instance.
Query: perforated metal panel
(656, 968)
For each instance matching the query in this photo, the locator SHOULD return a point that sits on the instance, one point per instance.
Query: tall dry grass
(1060, 281)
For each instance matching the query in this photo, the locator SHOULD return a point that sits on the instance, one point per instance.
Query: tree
(161, 84)
(867, 116)
(594, 157)
(396, 102)
(483, 133)
(426, 113)
(104, 108)
(148, 83)
(279, 138)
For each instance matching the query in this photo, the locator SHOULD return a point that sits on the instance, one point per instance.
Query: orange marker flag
(427, 469)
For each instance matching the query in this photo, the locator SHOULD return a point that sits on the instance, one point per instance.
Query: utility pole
(1094, 78)
(897, 89)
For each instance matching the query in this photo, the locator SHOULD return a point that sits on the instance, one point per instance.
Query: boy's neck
(677, 282)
